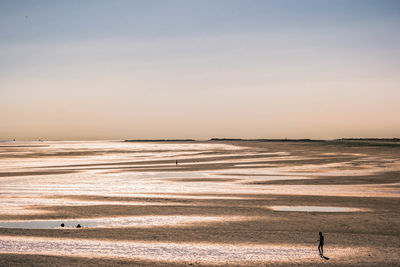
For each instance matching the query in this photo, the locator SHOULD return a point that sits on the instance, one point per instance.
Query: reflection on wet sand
(239, 201)
(315, 209)
(203, 253)
(139, 221)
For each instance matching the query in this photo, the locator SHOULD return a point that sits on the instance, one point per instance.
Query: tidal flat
(202, 203)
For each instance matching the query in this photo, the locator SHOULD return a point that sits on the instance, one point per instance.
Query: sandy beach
(199, 133)
(237, 203)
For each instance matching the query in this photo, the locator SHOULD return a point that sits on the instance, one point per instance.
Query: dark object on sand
(176, 162)
(78, 226)
(62, 225)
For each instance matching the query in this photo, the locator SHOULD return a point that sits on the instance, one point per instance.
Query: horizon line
(210, 139)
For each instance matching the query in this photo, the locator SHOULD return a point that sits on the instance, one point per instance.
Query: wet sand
(229, 180)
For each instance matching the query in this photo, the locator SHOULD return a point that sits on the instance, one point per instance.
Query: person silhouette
(176, 162)
(321, 245)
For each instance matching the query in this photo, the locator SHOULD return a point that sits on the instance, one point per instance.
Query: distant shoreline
(342, 141)
(267, 140)
(161, 140)
(381, 142)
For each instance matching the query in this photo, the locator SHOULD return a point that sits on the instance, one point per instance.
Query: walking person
(321, 245)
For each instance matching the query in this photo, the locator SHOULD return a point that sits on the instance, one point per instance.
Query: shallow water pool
(138, 221)
(316, 209)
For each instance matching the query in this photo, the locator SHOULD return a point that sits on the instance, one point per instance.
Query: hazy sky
(199, 69)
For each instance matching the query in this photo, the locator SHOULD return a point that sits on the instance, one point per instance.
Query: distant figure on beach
(321, 245)
(176, 162)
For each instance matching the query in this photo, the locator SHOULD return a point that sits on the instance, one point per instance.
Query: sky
(84, 70)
